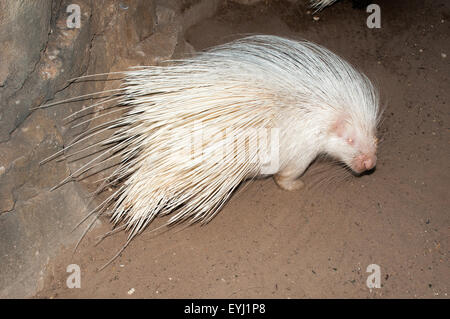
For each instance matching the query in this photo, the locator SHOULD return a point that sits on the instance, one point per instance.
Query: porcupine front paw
(287, 183)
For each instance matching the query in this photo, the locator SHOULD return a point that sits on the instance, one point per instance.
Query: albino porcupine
(194, 129)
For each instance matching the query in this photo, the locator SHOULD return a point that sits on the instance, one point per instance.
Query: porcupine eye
(350, 141)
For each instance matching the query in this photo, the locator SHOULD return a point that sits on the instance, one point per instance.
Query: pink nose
(370, 162)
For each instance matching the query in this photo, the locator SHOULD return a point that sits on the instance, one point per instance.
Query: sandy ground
(316, 242)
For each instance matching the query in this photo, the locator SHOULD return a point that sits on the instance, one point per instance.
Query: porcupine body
(186, 126)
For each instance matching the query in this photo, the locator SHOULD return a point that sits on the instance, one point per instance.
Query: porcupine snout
(364, 162)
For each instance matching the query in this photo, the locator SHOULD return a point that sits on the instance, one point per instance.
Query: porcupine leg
(288, 183)
(288, 178)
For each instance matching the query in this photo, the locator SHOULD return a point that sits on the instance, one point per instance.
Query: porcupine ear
(339, 126)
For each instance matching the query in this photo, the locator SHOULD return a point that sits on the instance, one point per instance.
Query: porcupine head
(338, 120)
(342, 137)
(335, 132)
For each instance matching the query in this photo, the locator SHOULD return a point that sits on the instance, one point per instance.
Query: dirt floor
(316, 242)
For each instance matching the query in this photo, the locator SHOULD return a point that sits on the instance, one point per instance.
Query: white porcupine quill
(243, 84)
(320, 4)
